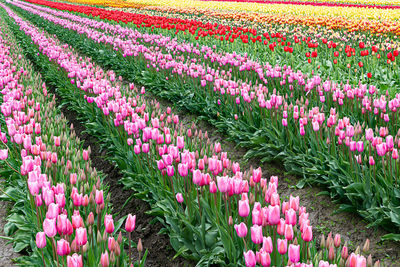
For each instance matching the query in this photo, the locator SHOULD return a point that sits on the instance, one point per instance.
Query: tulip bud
(90, 218)
(366, 246)
(99, 238)
(369, 261)
(139, 245)
(377, 264)
(322, 241)
(119, 239)
(345, 252)
(331, 253)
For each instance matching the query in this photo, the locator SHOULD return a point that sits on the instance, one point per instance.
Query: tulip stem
(130, 255)
(198, 200)
(44, 264)
(54, 251)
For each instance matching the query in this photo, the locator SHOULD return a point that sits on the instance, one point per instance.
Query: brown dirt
(7, 253)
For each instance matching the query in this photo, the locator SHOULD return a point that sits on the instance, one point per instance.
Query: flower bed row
(60, 215)
(332, 146)
(190, 181)
(368, 60)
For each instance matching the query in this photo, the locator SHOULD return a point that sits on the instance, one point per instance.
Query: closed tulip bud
(99, 237)
(99, 197)
(119, 239)
(331, 253)
(337, 240)
(40, 239)
(366, 246)
(104, 260)
(230, 220)
(117, 250)
(369, 261)
(322, 244)
(90, 218)
(112, 257)
(130, 223)
(74, 246)
(377, 264)
(345, 253)
(111, 243)
(139, 245)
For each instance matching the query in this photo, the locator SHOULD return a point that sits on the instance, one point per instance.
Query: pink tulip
(74, 261)
(3, 154)
(62, 224)
(179, 197)
(282, 246)
(49, 227)
(323, 264)
(244, 208)
(265, 259)
(63, 248)
(395, 154)
(250, 258)
(257, 173)
(371, 161)
(289, 234)
(256, 234)
(307, 233)
(290, 217)
(81, 236)
(273, 215)
(130, 223)
(294, 253)
(40, 239)
(213, 188)
(85, 155)
(52, 211)
(109, 223)
(104, 260)
(241, 229)
(344, 252)
(267, 244)
(337, 241)
(77, 220)
(99, 197)
(281, 227)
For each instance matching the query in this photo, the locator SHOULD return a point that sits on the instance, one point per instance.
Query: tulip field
(312, 87)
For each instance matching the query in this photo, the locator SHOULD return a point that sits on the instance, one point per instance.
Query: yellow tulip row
(290, 9)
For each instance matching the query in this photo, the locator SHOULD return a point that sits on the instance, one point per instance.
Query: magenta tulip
(130, 223)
